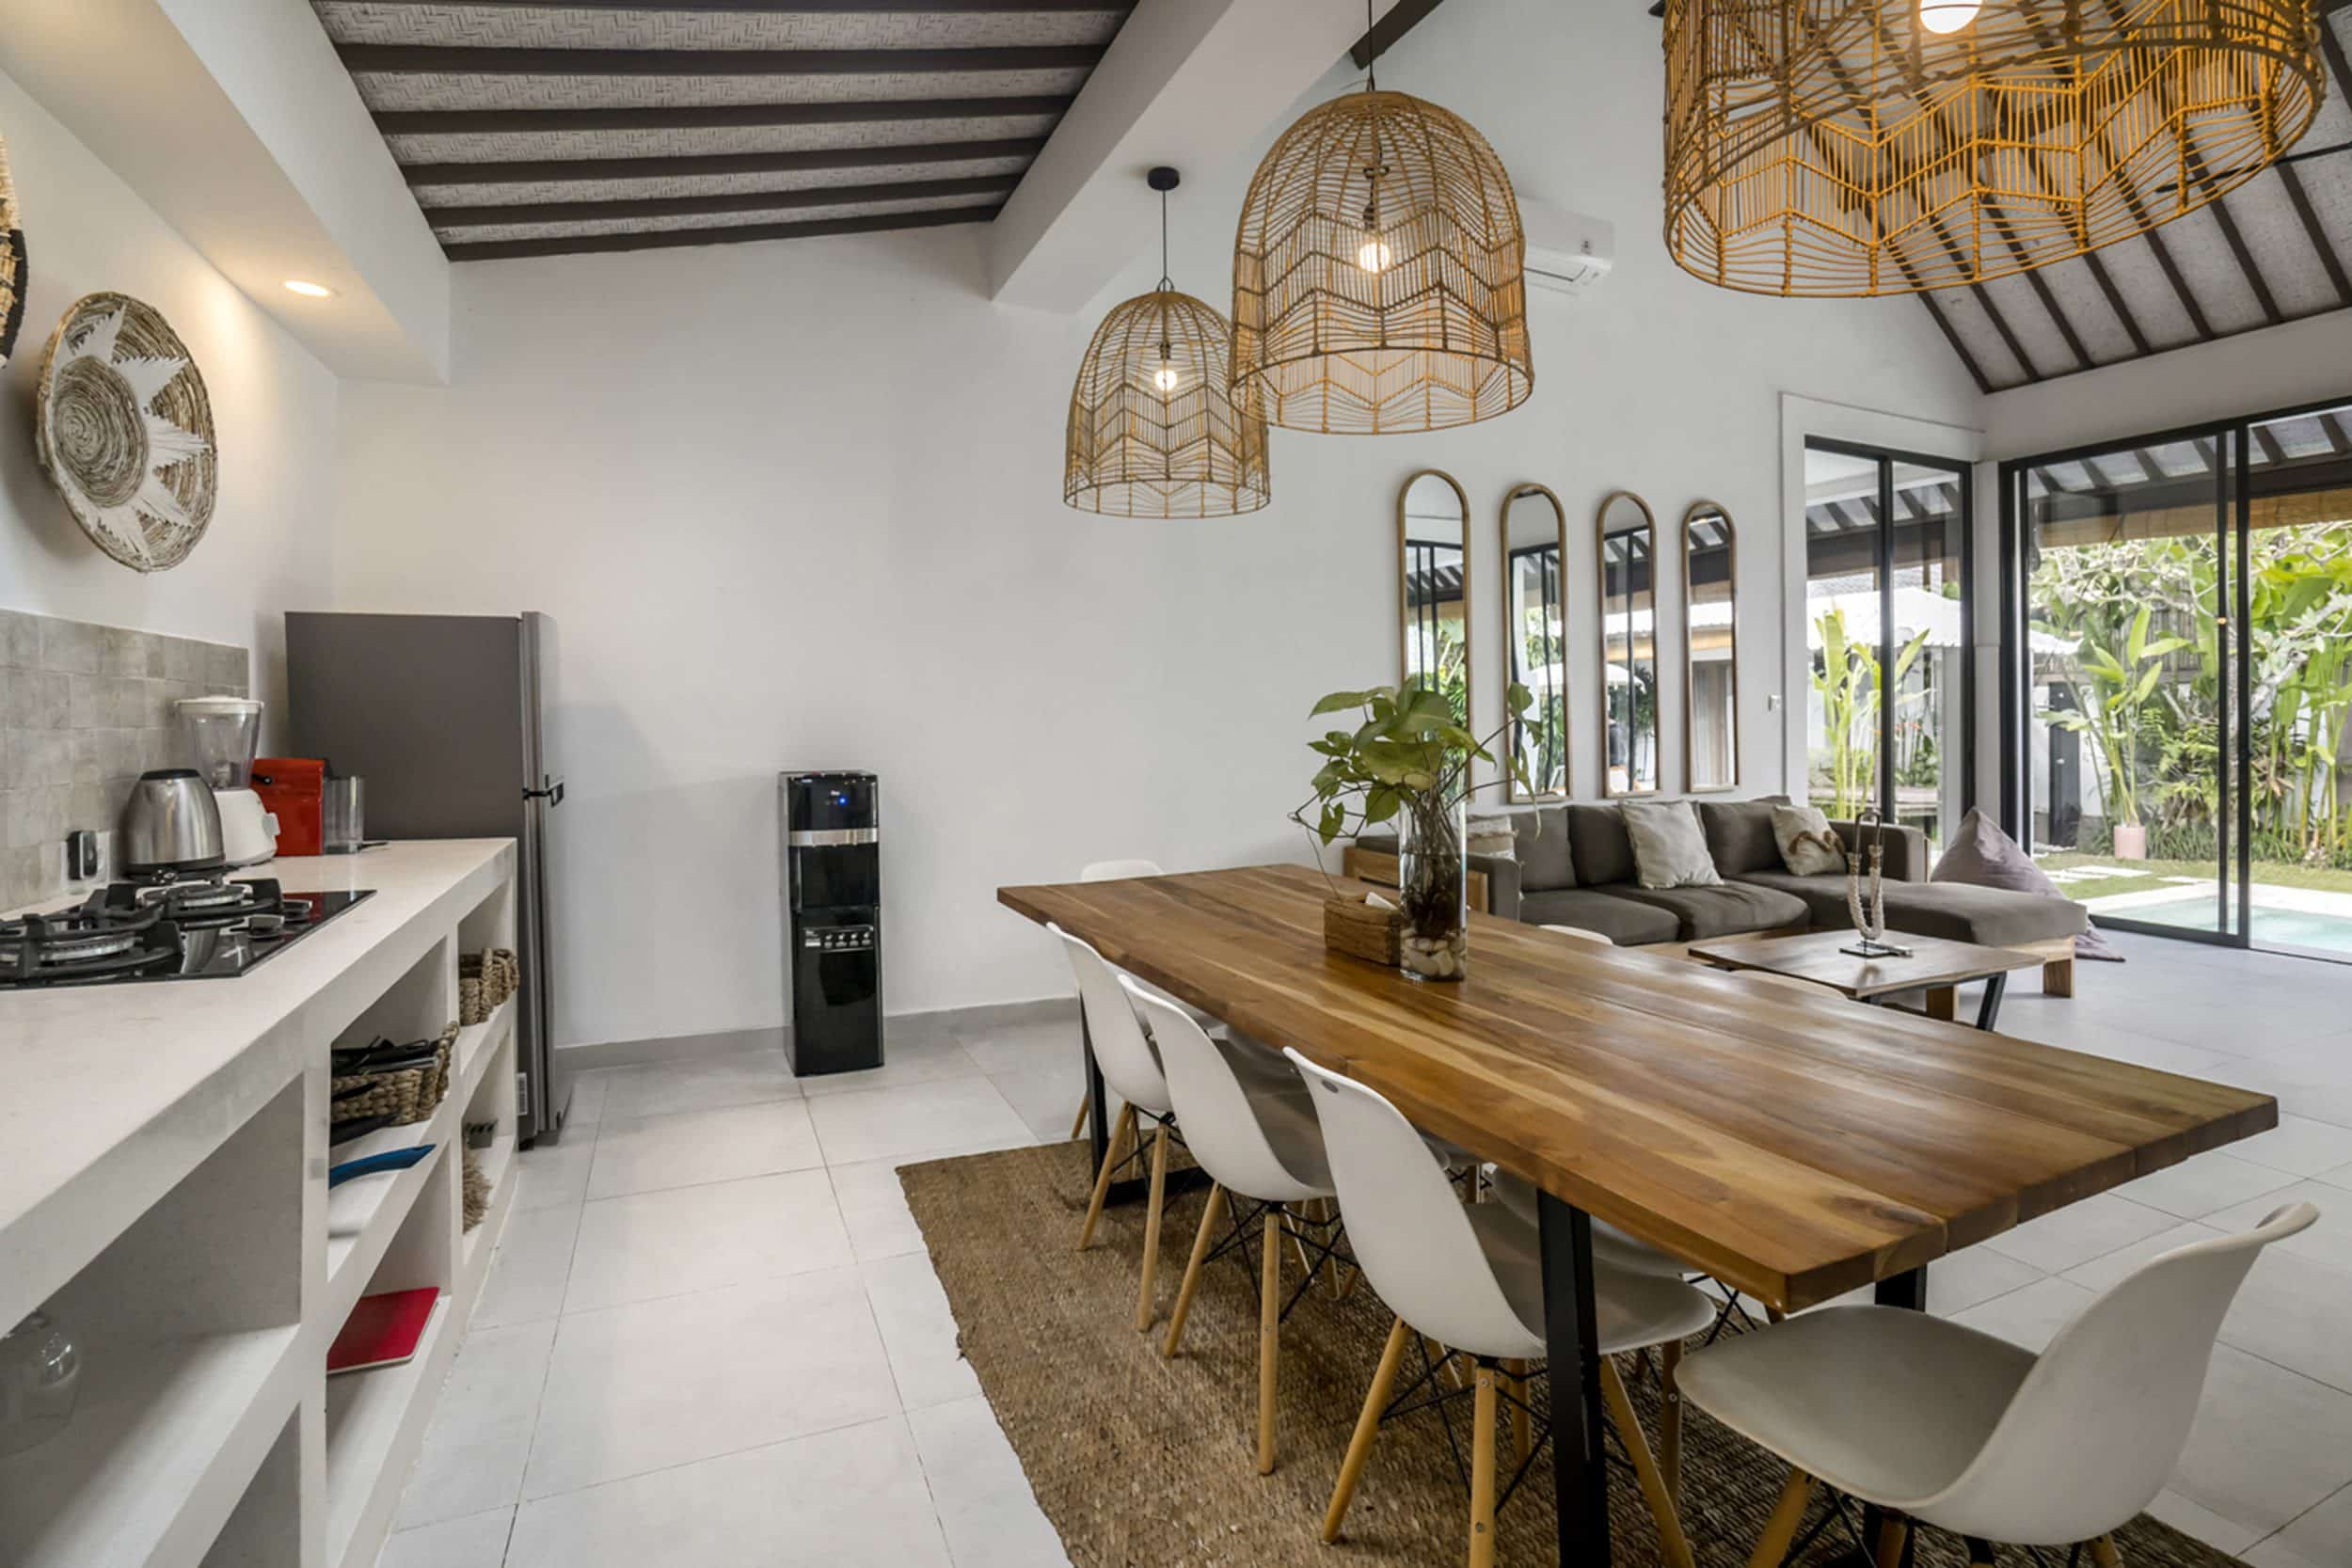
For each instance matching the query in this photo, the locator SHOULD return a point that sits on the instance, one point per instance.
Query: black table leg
(1990, 1009)
(1580, 1454)
(1098, 1101)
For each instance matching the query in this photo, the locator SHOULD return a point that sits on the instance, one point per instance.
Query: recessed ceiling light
(309, 291)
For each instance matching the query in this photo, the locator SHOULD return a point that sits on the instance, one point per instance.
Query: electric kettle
(171, 825)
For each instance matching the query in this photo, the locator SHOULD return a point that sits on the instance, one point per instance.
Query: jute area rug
(1142, 1463)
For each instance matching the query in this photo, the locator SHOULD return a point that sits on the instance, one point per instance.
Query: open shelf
(367, 1414)
(363, 1214)
(498, 1165)
(475, 1046)
(155, 1435)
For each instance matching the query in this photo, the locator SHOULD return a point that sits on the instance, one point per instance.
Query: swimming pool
(2300, 928)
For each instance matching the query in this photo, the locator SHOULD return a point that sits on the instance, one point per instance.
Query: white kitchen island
(163, 1188)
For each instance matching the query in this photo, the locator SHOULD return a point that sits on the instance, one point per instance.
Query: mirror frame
(1600, 591)
(1524, 490)
(1403, 584)
(1691, 513)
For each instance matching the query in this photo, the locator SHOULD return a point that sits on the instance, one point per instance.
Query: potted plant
(1408, 763)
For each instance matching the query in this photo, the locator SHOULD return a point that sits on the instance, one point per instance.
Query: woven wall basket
(11, 262)
(123, 429)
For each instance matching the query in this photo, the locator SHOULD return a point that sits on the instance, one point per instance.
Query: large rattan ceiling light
(1157, 428)
(1377, 283)
(1874, 147)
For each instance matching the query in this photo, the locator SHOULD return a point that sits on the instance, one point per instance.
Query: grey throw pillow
(1980, 855)
(1669, 849)
(1808, 846)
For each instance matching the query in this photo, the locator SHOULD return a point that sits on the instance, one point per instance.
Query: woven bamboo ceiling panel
(1156, 427)
(1377, 281)
(608, 125)
(1830, 149)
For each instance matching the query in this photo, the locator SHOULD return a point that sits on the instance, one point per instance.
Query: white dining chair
(1113, 871)
(1130, 1069)
(1471, 1277)
(1940, 1424)
(1249, 1124)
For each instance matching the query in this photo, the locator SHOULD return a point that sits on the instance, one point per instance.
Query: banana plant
(2120, 681)
(1847, 681)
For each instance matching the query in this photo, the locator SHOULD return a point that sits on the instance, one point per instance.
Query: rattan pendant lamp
(1879, 147)
(1377, 283)
(1157, 428)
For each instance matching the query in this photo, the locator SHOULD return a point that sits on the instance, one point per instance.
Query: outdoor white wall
(274, 404)
(798, 505)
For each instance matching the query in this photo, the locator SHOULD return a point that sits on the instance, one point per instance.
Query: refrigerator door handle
(552, 793)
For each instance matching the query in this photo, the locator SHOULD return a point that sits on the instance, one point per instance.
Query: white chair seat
(1611, 1245)
(1887, 1405)
(1631, 1309)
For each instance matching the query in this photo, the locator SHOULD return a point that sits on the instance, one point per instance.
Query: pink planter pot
(2131, 841)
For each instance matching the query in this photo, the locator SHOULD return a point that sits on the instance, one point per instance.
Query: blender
(223, 733)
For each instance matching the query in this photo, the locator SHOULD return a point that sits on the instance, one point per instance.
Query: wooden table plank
(1794, 1148)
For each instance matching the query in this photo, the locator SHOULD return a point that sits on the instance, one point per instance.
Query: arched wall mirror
(1710, 675)
(1535, 544)
(1628, 643)
(1433, 593)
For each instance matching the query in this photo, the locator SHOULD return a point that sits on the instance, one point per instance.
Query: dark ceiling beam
(730, 202)
(2317, 233)
(2338, 442)
(710, 117)
(779, 8)
(2272, 451)
(416, 59)
(541, 170)
(1402, 18)
(2117, 303)
(486, 250)
(1951, 336)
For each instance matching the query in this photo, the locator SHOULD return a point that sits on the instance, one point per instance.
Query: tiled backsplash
(84, 711)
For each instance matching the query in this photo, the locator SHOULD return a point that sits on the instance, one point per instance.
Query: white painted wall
(798, 505)
(271, 535)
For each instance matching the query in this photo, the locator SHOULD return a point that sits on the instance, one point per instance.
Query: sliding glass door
(1888, 716)
(2178, 685)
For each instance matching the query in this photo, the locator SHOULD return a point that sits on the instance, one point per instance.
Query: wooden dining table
(1794, 1149)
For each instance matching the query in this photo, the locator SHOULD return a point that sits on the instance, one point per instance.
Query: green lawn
(2271, 873)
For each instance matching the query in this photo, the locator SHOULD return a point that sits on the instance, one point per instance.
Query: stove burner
(165, 930)
(88, 940)
(201, 904)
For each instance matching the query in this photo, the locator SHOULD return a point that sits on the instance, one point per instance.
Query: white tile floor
(712, 1336)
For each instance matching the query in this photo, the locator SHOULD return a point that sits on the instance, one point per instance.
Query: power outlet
(81, 855)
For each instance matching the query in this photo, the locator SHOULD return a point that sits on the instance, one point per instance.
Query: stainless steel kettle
(170, 824)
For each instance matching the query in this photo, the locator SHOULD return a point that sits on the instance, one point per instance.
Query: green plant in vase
(1408, 763)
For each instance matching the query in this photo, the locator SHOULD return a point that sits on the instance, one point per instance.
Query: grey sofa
(1573, 866)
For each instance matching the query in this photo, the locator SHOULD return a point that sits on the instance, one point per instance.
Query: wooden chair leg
(1269, 1336)
(1781, 1527)
(1944, 1003)
(1669, 1421)
(2103, 1554)
(1102, 1178)
(1146, 1305)
(1192, 1273)
(2057, 977)
(1078, 1122)
(1367, 1426)
(1482, 1522)
(1523, 1419)
(1892, 1531)
(1674, 1545)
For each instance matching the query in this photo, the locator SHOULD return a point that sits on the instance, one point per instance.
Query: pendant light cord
(1166, 282)
(1372, 50)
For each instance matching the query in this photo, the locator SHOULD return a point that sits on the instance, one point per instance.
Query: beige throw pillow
(1808, 846)
(1669, 849)
(1489, 833)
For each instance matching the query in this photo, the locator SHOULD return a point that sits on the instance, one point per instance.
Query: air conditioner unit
(1567, 253)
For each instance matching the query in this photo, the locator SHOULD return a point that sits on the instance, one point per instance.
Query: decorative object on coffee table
(1936, 966)
(123, 428)
(1868, 912)
(12, 266)
(1408, 763)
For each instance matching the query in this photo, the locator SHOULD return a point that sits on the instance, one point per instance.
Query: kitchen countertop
(110, 1094)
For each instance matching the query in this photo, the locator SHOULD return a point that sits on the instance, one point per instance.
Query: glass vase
(1433, 890)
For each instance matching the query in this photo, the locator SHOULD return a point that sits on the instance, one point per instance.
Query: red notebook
(382, 1331)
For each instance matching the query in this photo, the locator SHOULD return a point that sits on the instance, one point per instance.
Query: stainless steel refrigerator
(440, 715)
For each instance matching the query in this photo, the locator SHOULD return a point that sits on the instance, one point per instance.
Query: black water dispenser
(833, 922)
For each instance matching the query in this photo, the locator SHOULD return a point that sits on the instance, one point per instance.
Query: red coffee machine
(294, 789)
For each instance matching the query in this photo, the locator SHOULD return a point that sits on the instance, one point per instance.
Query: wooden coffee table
(1935, 965)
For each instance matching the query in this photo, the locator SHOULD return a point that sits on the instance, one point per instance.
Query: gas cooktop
(202, 928)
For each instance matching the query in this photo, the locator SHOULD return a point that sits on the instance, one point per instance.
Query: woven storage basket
(1361, 930)
(409, 1095)
(483, 981)
(476, 1195)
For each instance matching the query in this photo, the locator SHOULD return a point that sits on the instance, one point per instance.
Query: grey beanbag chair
(1980, 855)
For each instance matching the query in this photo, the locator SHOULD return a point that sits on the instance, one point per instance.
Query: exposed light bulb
(1373, 255)
(1947, 15)
(307, 289)
(1165, 378)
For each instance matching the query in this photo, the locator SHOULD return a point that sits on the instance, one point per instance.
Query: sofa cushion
(1981, 855)
(1623, 921)
(1598, 843)
(1546, 860)
(1739, 834)
(1669, 850)
(1724, 909)
(1990, 918)
(1809, 845)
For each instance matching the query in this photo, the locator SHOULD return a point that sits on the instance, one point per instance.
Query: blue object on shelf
(370, 1164)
